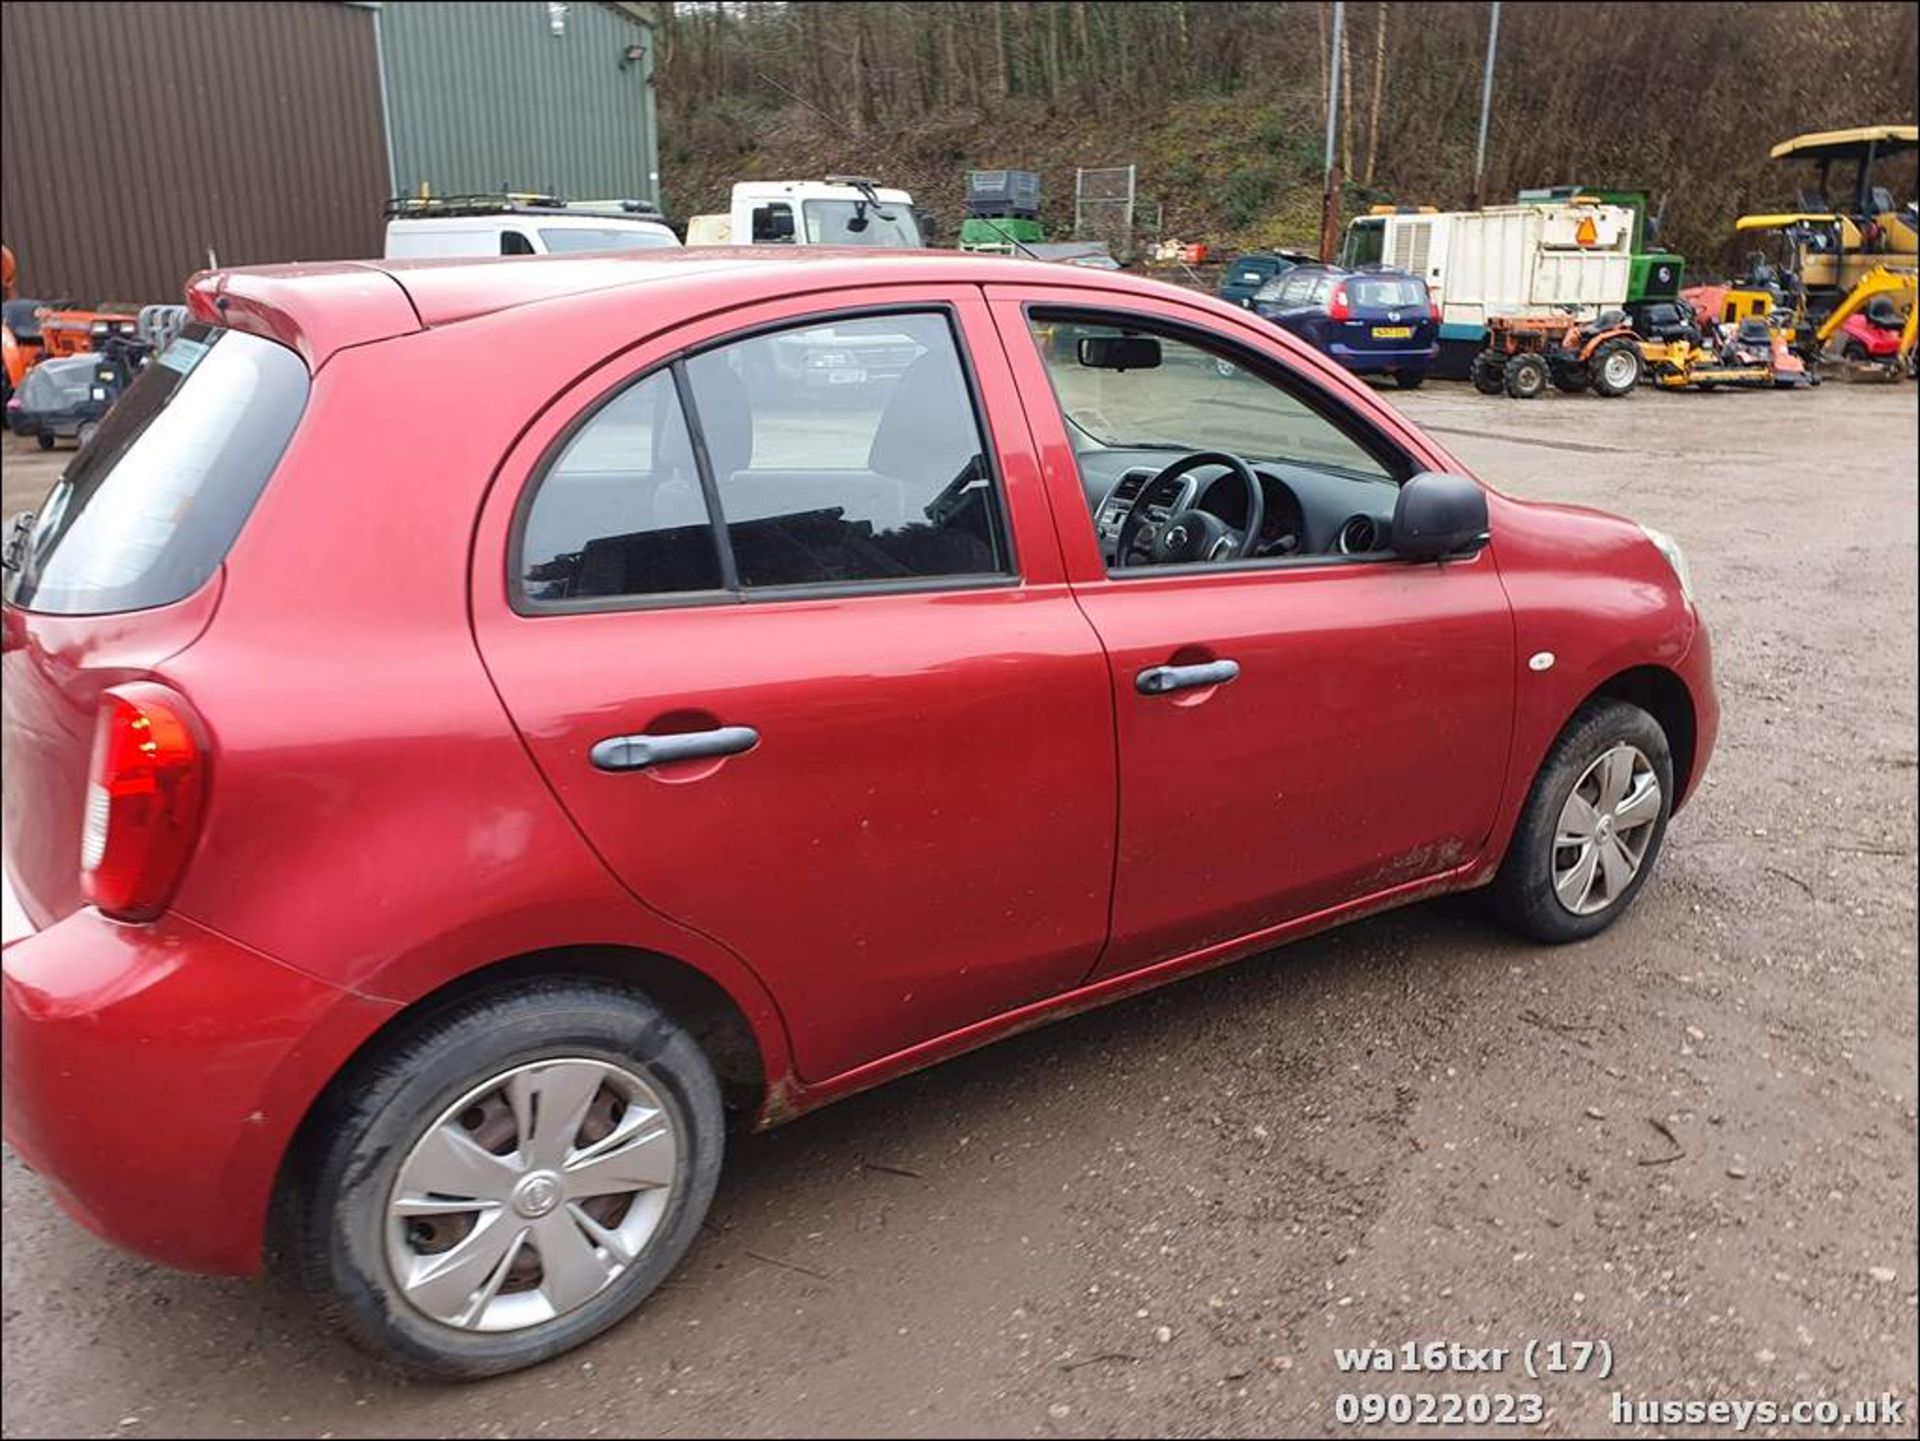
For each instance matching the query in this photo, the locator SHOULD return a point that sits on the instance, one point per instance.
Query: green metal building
(519, 95)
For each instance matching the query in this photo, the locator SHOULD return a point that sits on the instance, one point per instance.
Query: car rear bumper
(1417, 357)
(154, 1075)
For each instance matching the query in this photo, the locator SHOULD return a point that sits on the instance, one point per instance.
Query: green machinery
(1655, 275)
(1003, 212)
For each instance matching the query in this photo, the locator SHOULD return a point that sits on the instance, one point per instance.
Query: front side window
(1138, 399)
(842, 452)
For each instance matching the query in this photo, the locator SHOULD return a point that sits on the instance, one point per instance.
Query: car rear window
(146, 512)
(1385, 291)
(559, 240)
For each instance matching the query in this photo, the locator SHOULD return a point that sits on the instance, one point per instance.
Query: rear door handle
(637, 752)
(1160, 679)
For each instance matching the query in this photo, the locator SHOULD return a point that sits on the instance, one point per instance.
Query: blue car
(1373, 321)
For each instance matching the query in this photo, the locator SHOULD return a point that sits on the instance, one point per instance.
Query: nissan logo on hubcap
(537, 1194)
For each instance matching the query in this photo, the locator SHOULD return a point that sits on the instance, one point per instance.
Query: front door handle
(1160, 679)
(637, 752)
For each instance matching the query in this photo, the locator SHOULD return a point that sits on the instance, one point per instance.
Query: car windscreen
(855, 222)
(1385, 292)
(559, 239)
(144, 514)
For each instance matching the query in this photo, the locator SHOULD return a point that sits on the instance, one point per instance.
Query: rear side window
(622, 511)
(839, 453)
(144, 515)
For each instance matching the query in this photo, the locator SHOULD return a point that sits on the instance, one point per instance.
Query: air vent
(1130, 484)
(1358, 536)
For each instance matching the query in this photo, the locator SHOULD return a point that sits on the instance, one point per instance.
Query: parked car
(672, 743)
(1249, 272)
(1374, 322)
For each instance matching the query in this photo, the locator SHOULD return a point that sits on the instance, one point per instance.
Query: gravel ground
(1693, 1138)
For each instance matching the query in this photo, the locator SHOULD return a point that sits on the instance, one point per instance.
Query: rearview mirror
(1119, 352)
(1439, 516)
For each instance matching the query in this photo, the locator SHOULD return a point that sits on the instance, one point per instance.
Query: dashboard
(1309, 510)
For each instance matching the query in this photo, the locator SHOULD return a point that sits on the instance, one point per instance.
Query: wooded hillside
(1221, 104)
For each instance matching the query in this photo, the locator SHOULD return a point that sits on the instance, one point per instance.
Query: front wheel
(1525, 376)
(507, 1181)
(44, 440)
(1592, 826)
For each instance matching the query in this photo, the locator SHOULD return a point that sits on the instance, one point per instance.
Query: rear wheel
(1614, 367)
(1855, 351)
(1592, 826)
(507, 1181)
(44, 441)
(1409, 379)
(1489, 372)
(1525, 377)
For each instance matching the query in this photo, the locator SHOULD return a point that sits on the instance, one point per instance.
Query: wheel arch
(1662, 694)
(689, 996)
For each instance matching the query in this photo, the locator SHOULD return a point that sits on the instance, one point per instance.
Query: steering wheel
(1188, 534)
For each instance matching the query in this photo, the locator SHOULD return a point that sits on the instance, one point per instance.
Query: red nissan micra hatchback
(468, 724)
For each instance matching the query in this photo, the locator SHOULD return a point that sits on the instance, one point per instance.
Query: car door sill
(788, 1097)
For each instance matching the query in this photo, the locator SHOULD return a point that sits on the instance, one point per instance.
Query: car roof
(318, 309)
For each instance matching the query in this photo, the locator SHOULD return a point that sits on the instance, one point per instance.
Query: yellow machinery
(1842, 250)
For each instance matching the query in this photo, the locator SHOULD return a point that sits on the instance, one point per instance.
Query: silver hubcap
(1620, 367)
(1605, 828)
(531, 1194)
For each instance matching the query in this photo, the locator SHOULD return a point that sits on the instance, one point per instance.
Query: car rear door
(1361, 745)
(777, 603)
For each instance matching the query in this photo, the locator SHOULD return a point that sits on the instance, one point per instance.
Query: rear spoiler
(314, 310)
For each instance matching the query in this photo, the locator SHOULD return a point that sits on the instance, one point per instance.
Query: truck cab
(839, 210)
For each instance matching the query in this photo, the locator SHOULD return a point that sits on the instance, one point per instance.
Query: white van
(419, 229)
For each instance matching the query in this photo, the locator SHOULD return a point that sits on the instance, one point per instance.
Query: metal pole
(1486, 108)
(1330, 196)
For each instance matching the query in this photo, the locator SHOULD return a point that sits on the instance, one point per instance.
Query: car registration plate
(846, 377)
(1393, 332)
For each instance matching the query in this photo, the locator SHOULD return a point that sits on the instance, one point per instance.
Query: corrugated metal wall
(481, 97)
(141, 136)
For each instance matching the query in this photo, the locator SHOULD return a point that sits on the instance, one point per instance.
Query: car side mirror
(1439, 516)
(1119, 352)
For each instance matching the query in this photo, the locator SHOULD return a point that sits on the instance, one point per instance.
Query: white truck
(1573, 259)
(839, 210)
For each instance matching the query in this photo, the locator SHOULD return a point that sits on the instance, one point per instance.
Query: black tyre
(1614, 367)
(44, 441)
(1853, 350)
(1489, 372)
(505, 1181)
(1409, 379)
(1592, 827)
(1571, 379)
(1525, 377)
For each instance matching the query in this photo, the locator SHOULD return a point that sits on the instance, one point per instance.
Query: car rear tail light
(1338, 308)
(145, 790)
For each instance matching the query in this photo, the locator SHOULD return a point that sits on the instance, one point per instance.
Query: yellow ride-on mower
(1526, 353)
(1752, 352)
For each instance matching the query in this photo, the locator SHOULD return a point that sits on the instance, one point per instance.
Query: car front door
(1360, 746)
(789, 635)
